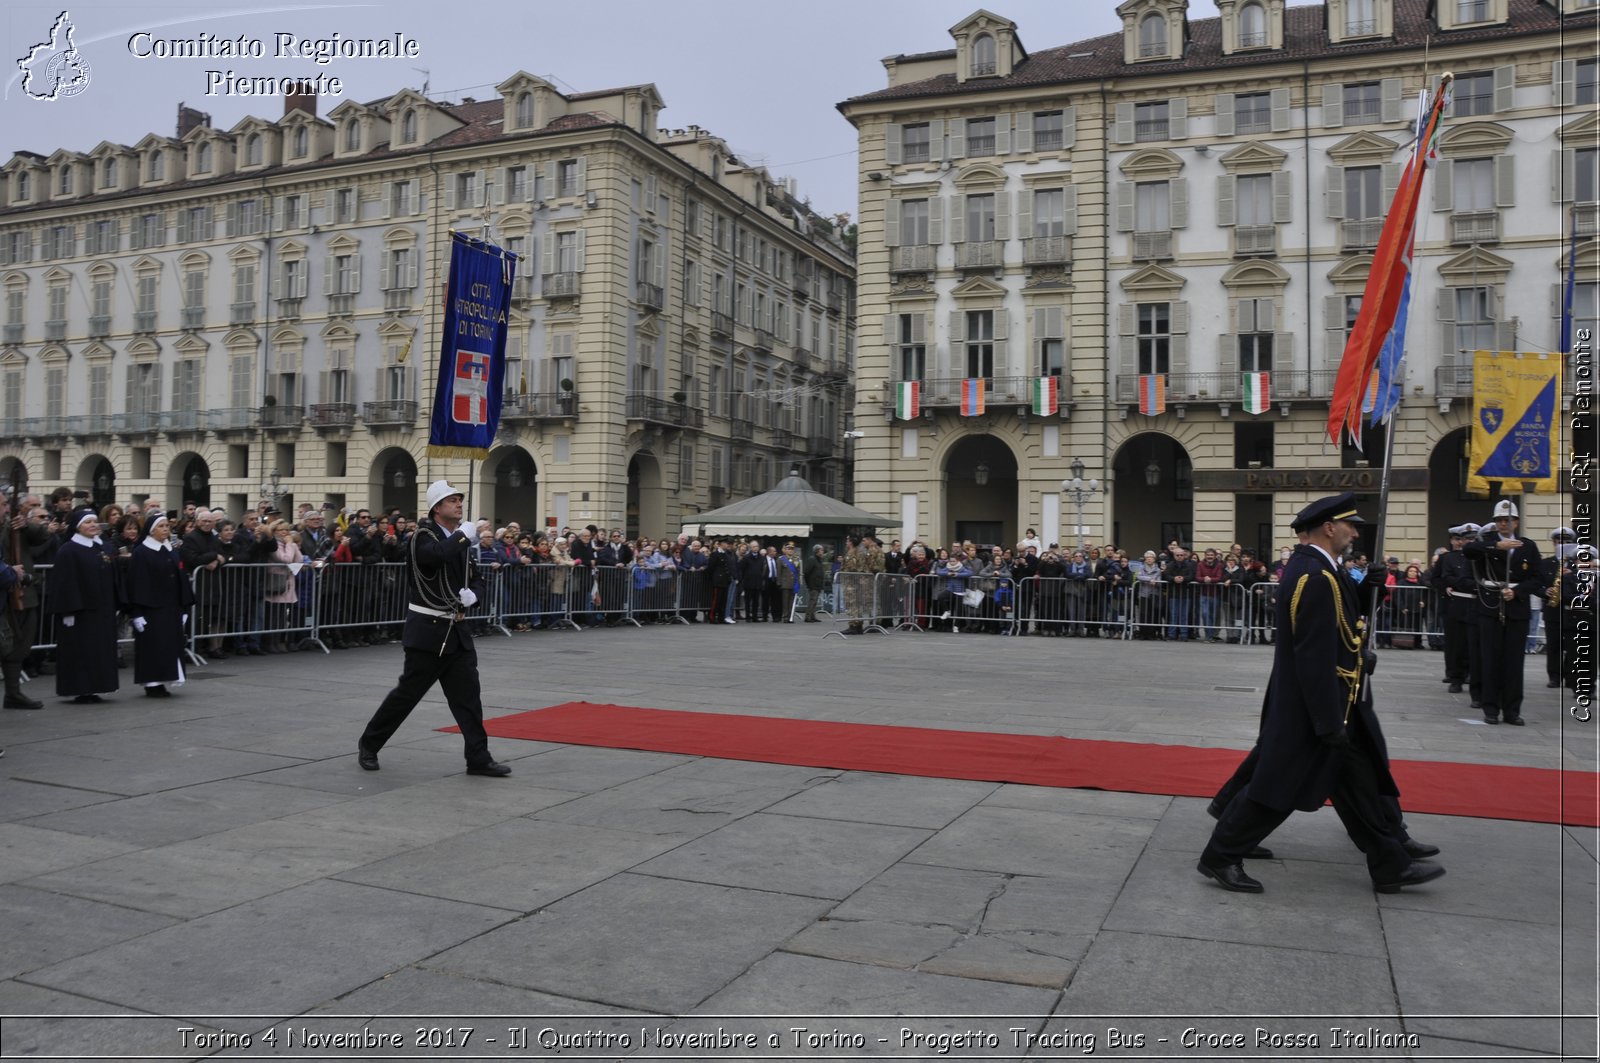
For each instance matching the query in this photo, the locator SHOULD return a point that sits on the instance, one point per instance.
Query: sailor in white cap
(1452, 579)
(82, 595)
(444, 585)
(1509, 572)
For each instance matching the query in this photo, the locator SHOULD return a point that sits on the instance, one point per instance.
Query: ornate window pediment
(144, 349)
(1254, 157)
(336, 331)
(241, 338)
(343, 244)
(1352, 271)
(1256, 274)
(986, 46)
(288, 337)
(1151, 164)
(1361, 148)
(191, 346)
(1153, 30)
(1475, 264)
(979, 174)
(979, 288)
(1475, 139)
(1154, 281)
(1581, 132)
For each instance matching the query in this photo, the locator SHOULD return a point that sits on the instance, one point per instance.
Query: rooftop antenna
(427, 76)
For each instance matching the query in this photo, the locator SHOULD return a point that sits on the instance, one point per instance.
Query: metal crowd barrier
(694, 594)
(856, 599)
(534, 596)
(653, 593)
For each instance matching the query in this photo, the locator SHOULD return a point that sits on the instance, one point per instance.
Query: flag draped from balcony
(1380, 301)
(1153, 394)
(1046, 396)
(972, 402)
(472, 360)
(1257, 392)
(908, 400)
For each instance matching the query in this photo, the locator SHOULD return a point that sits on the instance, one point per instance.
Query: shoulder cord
(435, 591)
(1350, 637)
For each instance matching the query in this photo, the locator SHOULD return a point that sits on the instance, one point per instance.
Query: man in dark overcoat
(1319, 736)
(82, 595)
(438, 647)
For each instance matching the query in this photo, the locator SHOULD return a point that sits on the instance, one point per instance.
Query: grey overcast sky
(764, 76)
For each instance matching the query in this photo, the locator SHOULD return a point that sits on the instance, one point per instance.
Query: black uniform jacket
(440, 569)
(1521, 567)
(1310, 694)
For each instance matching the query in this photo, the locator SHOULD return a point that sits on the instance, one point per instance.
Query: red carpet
(1538, 795)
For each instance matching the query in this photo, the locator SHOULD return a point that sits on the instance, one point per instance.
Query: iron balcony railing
(342, 304)
(14, 333)
(242, 313)
(561, 285)
(55, 331)
(654, 410)
(651, 296)
(332, 414)
(282, 416)
(939, 392)
(390, 411)
(233, 419)
(1362, 234)
(1298, 385)
(399, 299)
(980, 254)
(194, 317)
(1255, 240)
(742, 428)
(540, 406)
(1047, 250)
(1149, 247)
(187, 420)
(912, 258)
(721, 324)
(1477, 227)
(289, 309)
(763, 340)
(144, 321)
(136, 422)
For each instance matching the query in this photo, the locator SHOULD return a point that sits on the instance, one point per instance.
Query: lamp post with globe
(1079, 489)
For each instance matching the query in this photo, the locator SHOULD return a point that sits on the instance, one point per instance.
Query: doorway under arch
(188, 480)
(1448, 501)
(980, 492)
(393, 482)
(14, 473)
(647, 498)
(1155, 494)
(510, 483)
(97, 476)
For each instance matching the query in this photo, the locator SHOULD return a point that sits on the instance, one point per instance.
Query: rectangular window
(249, 215)
(980, 218)
(100, 390)
(913, 221)
(691, 217)
(980, 137)
(14, 305)
(344, 204)
(1052, 357)
(913, 351)
(55, 391)
(1154, 337)
(1252, 112)
(186, 384)
(1253, 199)
(401, 273)
(980, 343)
(102, 237)
(1050, 212)
(1474, 94)
(1360, 18)
(1151, 212)
(241, 381)
(400, 198)
(566, 252)
(244, 283)
(1363, 102)
(567, 177)
(58, 241)
(146, 297)
(13, 394)
(1255, 352)
(1049, 130)
(100, 298)
(1471, 11)
(1587, 87)
(516, 184)
(1150, 121)
(914, 142)
(1586, 175)
(1363, 192)
(1475, 329)
(344, 274)
(144, 384)
(294, 279)
(1472, 183)
(294, 212)
(194, 290)
(57, 302)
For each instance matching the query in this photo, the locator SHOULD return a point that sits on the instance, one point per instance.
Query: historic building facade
(224, 314)
(1195, 200)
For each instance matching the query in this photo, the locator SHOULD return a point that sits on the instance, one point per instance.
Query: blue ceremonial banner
(472, 358)
(1515, 402)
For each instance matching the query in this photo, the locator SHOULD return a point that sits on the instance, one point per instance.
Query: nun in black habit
(159, 597)
(81, 592)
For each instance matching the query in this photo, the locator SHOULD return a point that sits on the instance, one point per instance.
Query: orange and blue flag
(972, 396)
(1153, 394)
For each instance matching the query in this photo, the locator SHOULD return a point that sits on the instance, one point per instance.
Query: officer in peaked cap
(1556, 622)
(1319, 737)
(1451, 577)
(438, 649)
(1509, 572)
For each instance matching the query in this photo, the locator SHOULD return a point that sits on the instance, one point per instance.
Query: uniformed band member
(22, 615)
(1556, 622)
(82, 594)
(1452, 579)
(1510, 572)
(438, 647)
(159, 598)
(1319, 737)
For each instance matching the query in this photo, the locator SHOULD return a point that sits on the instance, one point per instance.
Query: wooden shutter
(1122, 125)
(355, 273)
(582, 251)
(1178, 205)
(1282, 355)
(1444, 185)
(1023, 139)
(1178, 363)
(549, 255)
(958, 138)
(582, 179)
(1227, 362)
(936, 139)
(450, 183)
(1505, 83)
(1282, 192)
(1226, 190)
(958, 219)
(1069, 126)
(891, 144)
(1224, 120)
(1564, 82)
(1333, 195)
(1124, 206)
(1390, 101)
(891, 223)
(327, 274)
(1280, 110)
(1002, 134)
(1332, 106)
(1002, 216)
(1069, 209)
(1025, 213)
(1178, 118)
(1391, 180)
(1563, 174)
(1002, 330)
(935, 220)
(1505, 180)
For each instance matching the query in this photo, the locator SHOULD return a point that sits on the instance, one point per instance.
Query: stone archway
(188, 480)
(647, 498)
(509, 483)
(980, 493)
(14, 473)
(392, 482)
(97, 476)
(1448, 501)
(1155, 494)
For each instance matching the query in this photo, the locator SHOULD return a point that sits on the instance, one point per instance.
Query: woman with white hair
(159, 599)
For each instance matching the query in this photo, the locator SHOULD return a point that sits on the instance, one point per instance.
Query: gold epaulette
(1294, 603)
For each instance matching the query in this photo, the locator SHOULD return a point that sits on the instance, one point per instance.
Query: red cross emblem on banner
(470, 398)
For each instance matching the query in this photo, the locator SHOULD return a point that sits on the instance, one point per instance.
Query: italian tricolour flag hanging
(1257, 392)
(1046, 397)
(908, 400)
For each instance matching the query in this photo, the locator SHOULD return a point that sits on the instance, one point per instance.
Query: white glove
(139, 624)
(468, 599)
(184, 619)
(68, 621)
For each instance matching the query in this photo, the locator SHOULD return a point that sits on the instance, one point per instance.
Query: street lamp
(980, 475)
(1079, 488)
(272, 489)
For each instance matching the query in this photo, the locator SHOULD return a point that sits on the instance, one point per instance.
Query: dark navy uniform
(437, 645)
(1458, 591)
(1502, 623)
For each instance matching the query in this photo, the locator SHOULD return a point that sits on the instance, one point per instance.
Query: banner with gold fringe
(472, 359)
(1516, 399)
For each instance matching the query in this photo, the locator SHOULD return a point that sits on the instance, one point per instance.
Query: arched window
(156, 166)
(202, 159)
(352, 135)
(301, 141)
(524, 110)
(252, 150)
(64, 184)
(1152, 36)
(108, 173)
(408, 126)
(983, 55)
(23, 190)
(1252, 26)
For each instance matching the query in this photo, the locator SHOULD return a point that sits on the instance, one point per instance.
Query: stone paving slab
(178, 815)
(45, 928)
(895, 800)
(26, 851)
(1026, 842)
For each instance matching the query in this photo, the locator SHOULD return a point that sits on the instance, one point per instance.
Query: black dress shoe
(157, 692)
(22, 701)
(1415, 874)
(88, 699)
(494, 769)
(1233, 878)
(1487, 718)
(1419, 850)
(1514, 721)
(367, 759)
(1455, 688)
(1260, 852)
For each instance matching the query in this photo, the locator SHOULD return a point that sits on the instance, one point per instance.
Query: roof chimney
(189, 118)
(300, 96)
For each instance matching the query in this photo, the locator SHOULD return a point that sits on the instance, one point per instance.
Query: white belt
(1462, 594)
(440, 613)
